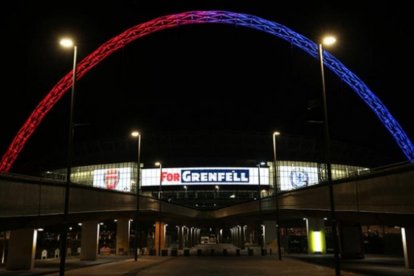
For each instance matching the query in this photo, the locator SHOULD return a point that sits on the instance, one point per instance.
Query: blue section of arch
(358, 86)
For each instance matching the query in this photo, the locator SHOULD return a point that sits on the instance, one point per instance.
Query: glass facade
(122, 176)
(114, 176)
(296, 174)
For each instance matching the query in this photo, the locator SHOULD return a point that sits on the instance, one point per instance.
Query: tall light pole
(68, 43)
(137, 135)
(159, 209)
(329, 40)
(260, 207)
(279, 251)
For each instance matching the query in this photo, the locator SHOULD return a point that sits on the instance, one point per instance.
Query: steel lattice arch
(204, 17)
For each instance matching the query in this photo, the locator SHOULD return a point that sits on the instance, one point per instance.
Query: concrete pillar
(182, 238)
(237, 236)
(242, 236)
(184, 233)
(122, 236)
(315, 227)
(167, 238)
(193, 240)
(179, 237)
(251, 231)
(198, 235)
(21, 249)
(220, 239)
(234, 236)
(351, 241)
(249, 234)
(407, 235)
(159, 241)
(186, 236)
(89, 240)
(270, 235)
(190, 242)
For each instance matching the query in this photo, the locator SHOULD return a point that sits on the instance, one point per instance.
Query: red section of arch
(87, 64)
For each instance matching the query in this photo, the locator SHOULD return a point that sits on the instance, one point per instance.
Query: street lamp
(329, 40)
(68, 43)
(159, 209)
(137, 135)
(279, 251)
(260, 207)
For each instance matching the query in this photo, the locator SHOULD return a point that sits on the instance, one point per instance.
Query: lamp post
(159, 209)
(279, 251)
(329, 40)
(260, 207)
(137, 135)
(68, 43)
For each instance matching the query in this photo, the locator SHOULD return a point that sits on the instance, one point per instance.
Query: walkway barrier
(57, 253)
(44, 254)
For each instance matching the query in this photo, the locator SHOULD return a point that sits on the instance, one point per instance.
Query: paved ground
(220, 265)
(205, 265)
(43, 267)
(371, 265)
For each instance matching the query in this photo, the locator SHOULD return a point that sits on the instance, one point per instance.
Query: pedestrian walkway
(51, 265)
(370, 265)
(208, 263)
(182, 265)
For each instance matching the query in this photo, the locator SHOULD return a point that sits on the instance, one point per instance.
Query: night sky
(209, 78)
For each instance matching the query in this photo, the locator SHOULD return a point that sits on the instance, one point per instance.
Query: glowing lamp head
(67, 43)
(329, 40)
(135, 134)
(158, 164)
(276, 133)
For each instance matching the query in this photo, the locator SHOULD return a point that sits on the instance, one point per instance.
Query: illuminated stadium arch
(204, 17)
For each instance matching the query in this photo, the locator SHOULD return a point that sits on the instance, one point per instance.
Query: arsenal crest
(111, 178)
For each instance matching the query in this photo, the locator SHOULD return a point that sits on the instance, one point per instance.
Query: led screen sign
(118, 179)
(294, 177)
(205, 176)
